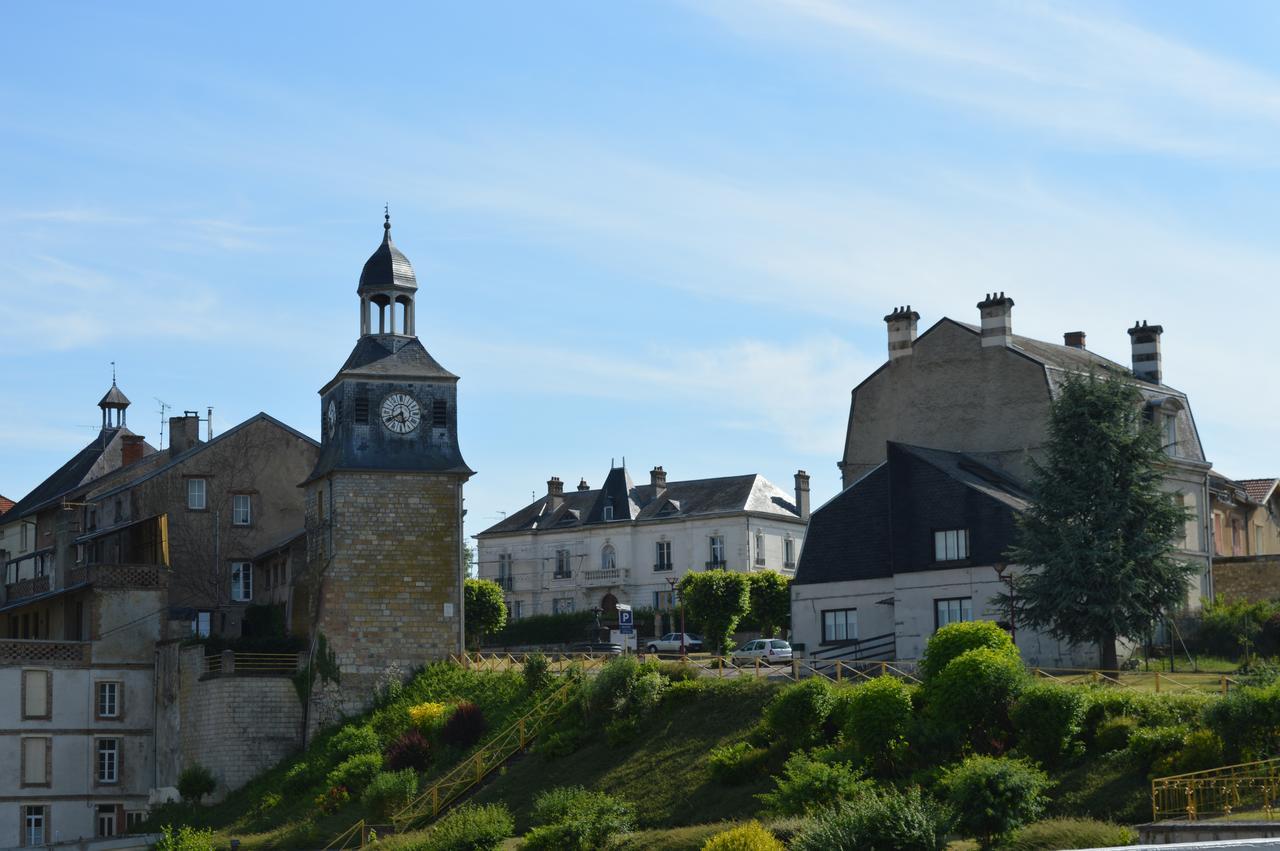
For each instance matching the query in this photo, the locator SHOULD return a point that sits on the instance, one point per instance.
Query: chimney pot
(1144, 340)
(583, 486)
(997, 320)
(131, 449)
(658, 478)
(902, 331)
(555, 492)
(1074, 339)
(184, 432)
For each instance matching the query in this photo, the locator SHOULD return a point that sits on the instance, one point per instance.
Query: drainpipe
(462, 576)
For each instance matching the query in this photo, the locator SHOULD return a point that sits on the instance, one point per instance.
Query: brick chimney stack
(555, 493)
(131, 449)
(583, 486)
(902, 331)
(802, 494)
(1074, 339)
(184, 432)
(658, 478)
(1144, 339)
(997, 319)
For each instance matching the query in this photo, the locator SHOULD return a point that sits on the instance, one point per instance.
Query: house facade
(627, 543)
(985, 393)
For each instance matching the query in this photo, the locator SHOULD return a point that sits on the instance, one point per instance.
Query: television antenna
(165, 407)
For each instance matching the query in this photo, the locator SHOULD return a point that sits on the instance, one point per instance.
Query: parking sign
(626, 623)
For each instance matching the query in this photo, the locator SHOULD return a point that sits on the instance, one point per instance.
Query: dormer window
(1171, 435)
(608, 511)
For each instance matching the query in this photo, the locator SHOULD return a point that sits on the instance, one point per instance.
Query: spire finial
(113, 373)
(386, 215)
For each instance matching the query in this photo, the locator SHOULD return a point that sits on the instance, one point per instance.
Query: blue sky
(665, 231)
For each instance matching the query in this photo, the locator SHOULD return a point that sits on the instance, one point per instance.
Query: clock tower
(384, 502)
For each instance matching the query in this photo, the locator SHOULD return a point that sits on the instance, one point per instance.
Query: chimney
(658, 478)
(1145, 342)
(802, 494)
(583, 486)
(131, 449)
(555, 493)
(1073, 339)
(184, 432)
(997, 319)
(902, 331)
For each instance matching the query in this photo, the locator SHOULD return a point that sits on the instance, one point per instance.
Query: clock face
(332, 416)
(400, 413)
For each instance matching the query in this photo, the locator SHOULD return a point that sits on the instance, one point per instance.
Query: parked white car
(670, 643)
(768, 650)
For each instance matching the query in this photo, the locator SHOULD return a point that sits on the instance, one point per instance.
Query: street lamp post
(671, 580)
(1001, 570)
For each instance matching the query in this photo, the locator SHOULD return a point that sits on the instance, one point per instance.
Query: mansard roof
(384, 357)
(387, 269)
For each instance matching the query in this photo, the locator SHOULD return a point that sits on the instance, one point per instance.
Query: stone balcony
(66, 654)
(119, 575)
(593, 578)
(26, 588)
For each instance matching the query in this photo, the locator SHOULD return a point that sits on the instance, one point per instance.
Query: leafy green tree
(485, 608)
(1100, 530)
(770, 595)
(196, 782)
(993, 796)
(717, 599)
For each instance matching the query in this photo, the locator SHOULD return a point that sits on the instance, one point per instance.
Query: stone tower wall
(390, 598)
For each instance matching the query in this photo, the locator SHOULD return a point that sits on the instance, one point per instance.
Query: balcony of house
(27, 576)
(717, 564)
(133, 554)
(34, 651)
(604, 576)
(118, 575)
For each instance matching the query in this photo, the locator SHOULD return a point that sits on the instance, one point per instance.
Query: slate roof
(1259, 490)
(66, 477)
(114, 398)
(387, 268)
(849, 536)
(692, 498)
(386, 357)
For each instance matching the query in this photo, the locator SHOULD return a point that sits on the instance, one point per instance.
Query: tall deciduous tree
(717, 599)
(1099, 534)
(770, 595)
(485, 609)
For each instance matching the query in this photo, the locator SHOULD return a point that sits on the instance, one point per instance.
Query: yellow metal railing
(254, 663)
(1251, 787)
(1204, 682)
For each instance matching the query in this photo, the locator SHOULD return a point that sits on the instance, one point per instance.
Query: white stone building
(624, 543)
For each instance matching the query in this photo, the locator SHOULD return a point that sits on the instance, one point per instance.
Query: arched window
(608, 558)
(759, 547)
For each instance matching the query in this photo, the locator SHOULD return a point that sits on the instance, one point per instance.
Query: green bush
(351, 740)
(470, 827)
(969, 700)
(624, 688)
(537, 672)
(875, 718)
(303, 776)
(195, 782)
(751, 836)
(570, 818)
(678, 672)
(390, 791)
(954, 639)
(991, 796)
(1200, 749)
(887, 820)
(1151, 710)
(1224, 623)
(185, 838)
(355, 773)
(799, 712)
(1062, 833)
(737, 763)
(1047, 720)
(1148, 744)
(545, 629)
(1113, 734)
(1248, 722)
(808, 785)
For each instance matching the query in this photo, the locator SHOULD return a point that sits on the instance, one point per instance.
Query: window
(608, 558)
(360, 413)
(788, 552)
(562, 565)
(439, 413)
(952, 610)
(241, 509)
(108, 763)
(1171, 435)
(36, 696)
(106, 700)
(200, 625)
(951, 545)
(839, 625)
(195, 494)
(561, 605)
(133, 819)
(608, 512)
(35, 761)
(717, 551)
(516, 607)
(663, 555)
(33, 826)
(106, 821)
(759, 547)
(241, 581)
(505, 579)
(663, 601)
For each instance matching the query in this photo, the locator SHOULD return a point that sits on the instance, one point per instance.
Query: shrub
(470, 827)
(332, 800)
(1248, 722)
(954, 639)
(876, 718)
(1224, 623)
(888, 820)
(390, 791)
(736, 763)
(570, 818)
(1052, 834)
(623, 688)
(1148, 744)
(1149, 709)
(351, 740)
(970, 698)
(411, 750)
(1113, 734)
(537, 672)
(195, 782)
(355, 772)
(185, 838)
(992, 796)
(465, 726)
(748, 837)
(808, 785)
(302, 776)
(268, 802)
(429, 716)
(798, 712)
(1047, 720)
(1200, 749)
(678, 672)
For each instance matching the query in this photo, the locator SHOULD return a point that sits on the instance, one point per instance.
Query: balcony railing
(119, 575)
(603, 576)
(717, 564)
(27, 651)
(663, 567)
(26, 588)
(506, 583)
